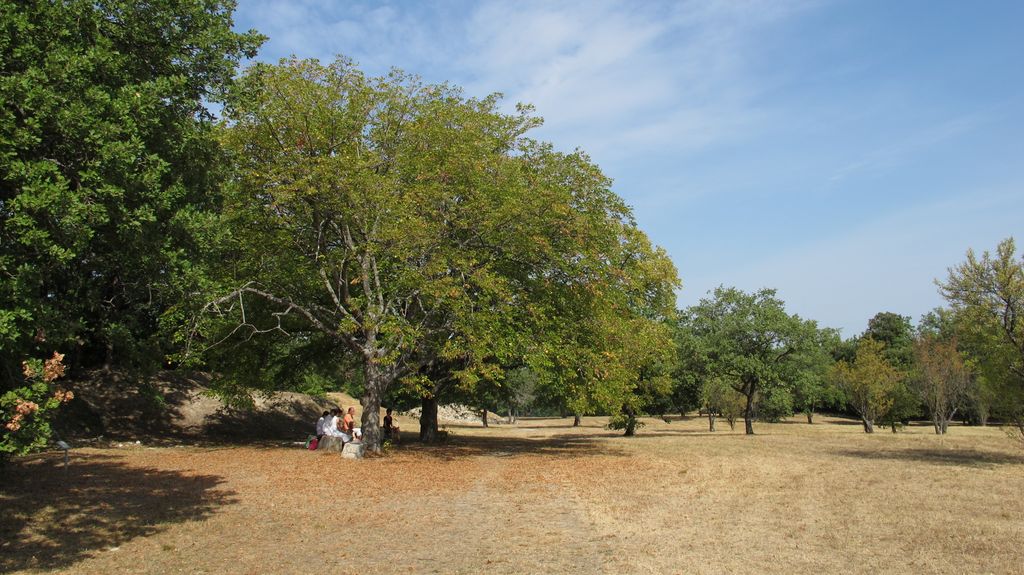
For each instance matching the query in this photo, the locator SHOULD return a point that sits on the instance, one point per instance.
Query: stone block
(329, 444)
(353, 451)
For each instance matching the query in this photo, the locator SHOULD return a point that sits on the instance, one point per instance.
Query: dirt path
(516, 523)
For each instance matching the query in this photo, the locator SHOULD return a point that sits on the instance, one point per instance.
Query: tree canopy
(412, 226)
(750, 341)
(986, 294)
(107, 166)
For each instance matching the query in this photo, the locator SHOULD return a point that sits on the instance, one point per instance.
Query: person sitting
(348, 425)
(390, 429)
(320, 424)
(334, 427)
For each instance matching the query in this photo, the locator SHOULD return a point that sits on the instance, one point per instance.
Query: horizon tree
(868, 381)
(750, 340)
(986, 294)
(941, 379)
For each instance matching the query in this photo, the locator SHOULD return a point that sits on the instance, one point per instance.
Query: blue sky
(845, 153)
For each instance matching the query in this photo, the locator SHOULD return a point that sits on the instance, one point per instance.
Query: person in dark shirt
(390, 429)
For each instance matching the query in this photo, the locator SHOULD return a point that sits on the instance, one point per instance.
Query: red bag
(313, 443)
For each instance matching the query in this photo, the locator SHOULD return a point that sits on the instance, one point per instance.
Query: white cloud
(622, 79)
(614, 77)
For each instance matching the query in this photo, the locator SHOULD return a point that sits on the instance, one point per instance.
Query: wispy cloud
(909, 145)
(625, 78)
(885, 264)
(614, 77)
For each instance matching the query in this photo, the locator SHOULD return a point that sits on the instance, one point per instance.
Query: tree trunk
(428, 419)
(869, 426)
(630, 422)
(108, 360)
(483, 417)
(748, 413)
(376, 384)
(711, 420)
(810, 417)
(576, 420)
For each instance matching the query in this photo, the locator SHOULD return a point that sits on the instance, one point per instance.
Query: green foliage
(26, 410)
(420, 233)
(872, 386)
(776, 404)
(897, 334)
(719, 397)
(987, 299)
(750, 341)
(941, 378)
(809, 384)
(624, 421)
(107, 165)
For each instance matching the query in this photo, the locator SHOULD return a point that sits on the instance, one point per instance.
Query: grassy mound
(176, 405)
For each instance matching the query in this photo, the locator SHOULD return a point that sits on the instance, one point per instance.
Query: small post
(65, 447)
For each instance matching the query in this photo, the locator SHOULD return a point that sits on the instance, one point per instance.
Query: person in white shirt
(320, 424)
(332, 427)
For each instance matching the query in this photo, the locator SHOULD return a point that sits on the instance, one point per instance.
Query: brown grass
(537, 497)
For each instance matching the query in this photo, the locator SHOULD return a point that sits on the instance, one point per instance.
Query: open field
(536, 497)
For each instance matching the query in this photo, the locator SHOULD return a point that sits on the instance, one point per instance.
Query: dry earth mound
(177, 405)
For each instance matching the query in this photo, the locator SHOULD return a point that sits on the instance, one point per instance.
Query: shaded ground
(538, 497)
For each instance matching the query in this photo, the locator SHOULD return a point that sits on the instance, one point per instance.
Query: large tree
(750, 341)
(107, 165)
(987, 297)
(416, 229)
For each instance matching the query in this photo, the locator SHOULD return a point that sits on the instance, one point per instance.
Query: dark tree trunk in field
(376, 384)
(748, 414)
(483, 417)
(711, 420)
(810, 417)
(428, 419)
(576, 420)
(869, 426)
(630, 422)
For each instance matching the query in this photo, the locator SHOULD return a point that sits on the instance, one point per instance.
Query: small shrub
(25, 411)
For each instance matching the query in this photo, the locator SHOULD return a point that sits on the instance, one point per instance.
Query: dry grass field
(536, 497)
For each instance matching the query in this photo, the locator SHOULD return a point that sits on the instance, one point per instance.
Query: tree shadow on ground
(51, 518)
(573, 445)
(968, 457)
